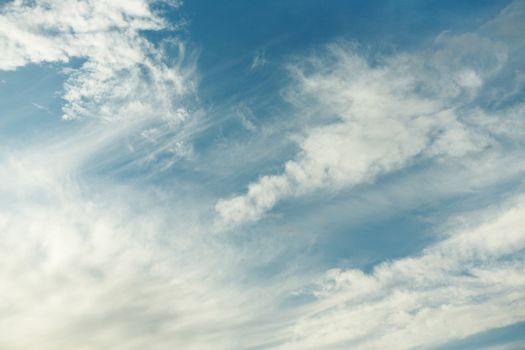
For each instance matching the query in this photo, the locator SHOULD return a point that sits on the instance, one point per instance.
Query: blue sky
(262, 174)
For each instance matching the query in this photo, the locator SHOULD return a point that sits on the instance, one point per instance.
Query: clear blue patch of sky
(30, 102)
(231, 33)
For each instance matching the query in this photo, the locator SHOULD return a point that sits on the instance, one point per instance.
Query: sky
(278, 174)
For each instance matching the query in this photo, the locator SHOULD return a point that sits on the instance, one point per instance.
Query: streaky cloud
(366, 117)
(121, 74)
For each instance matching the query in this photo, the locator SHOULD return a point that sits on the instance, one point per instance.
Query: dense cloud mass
(120, 75)
(118, 230)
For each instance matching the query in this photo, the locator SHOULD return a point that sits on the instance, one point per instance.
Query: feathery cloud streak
(91, 261)
(466, 284)
(121, 73)
(373, 118)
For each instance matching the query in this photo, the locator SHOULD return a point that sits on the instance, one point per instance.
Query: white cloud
(245, 114)
(122, 74)
(91, 266)
(508, 25)
(466, 284)
(364, 117)
(259, 60)
(372, 119)
(128, 270)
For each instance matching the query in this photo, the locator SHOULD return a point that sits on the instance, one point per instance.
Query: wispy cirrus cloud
(78, 270)
(369, 116)
(108, 264)
(466, 284)
(91, 261)
(121, 74)
(103, 271)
